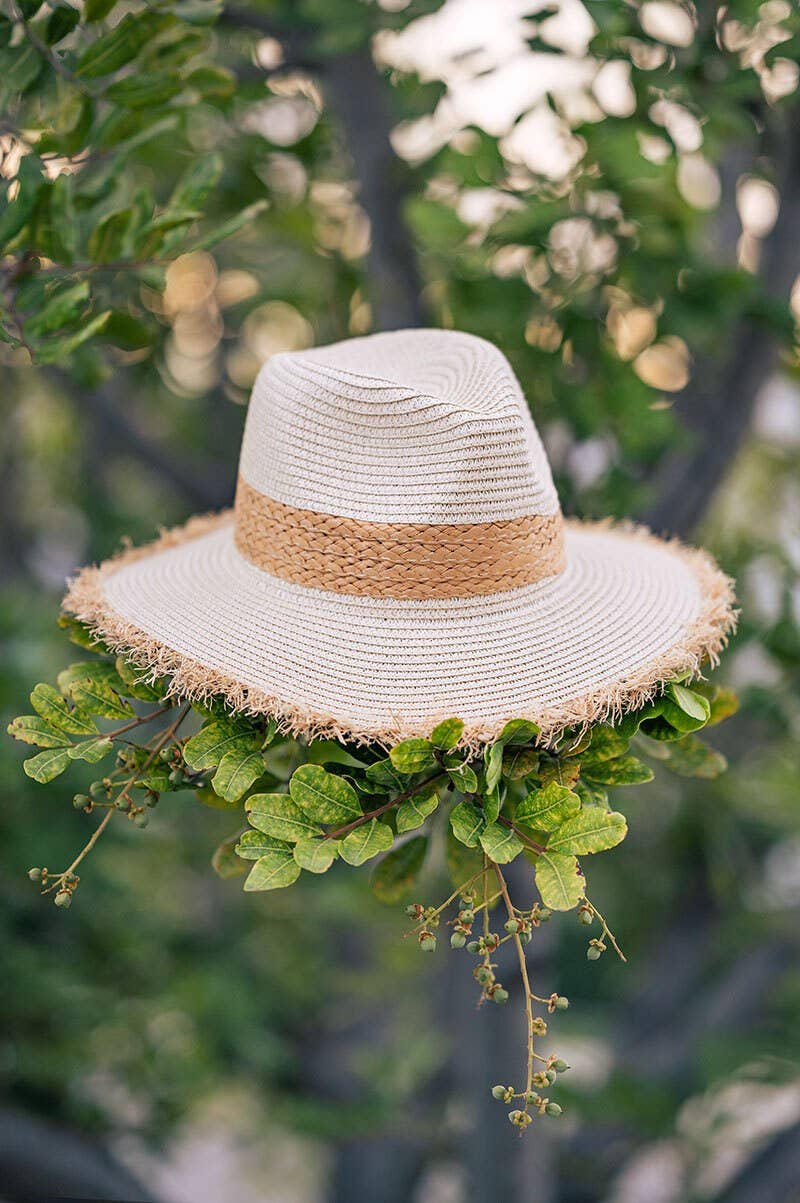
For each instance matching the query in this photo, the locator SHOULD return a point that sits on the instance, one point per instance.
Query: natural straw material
(411, 560)
(699, 643)
(291, 610)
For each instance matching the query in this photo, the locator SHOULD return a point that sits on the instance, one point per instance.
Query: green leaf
(607, 744)
(47, 765)
(252, 845)
(559, 881)
(277, 815)
(197, 182)
(491, 804)
(315, 855)
(17, 212)
(467, 822)
(500, 843)
(206, 749)
(625, 770)
(546, 809)
(464, 779)
(196, 12)
(212, 82)
(519, 762)
(108, 239)
(493, 758)
(324, 797)
(327, 751)
(366, 841)
(462, 862)
(236, 773)
(690, 757)
(60, 23)
(629, 724)
(225, 862)
(24, 70)
(61, 307)
(31, 729)
(447, 734)
(53, 708)
(97, 10)
(113, 50)
(692, 704)
(97, 697)
(413, 812)
(206, 795)
(56, 350)
(592, 830)
(273, 871)
(395, 876)
(563, 772)
(518, 731)
(385, 775)
(413, 756)
(232, 226)
(146, 90)
(91, 750)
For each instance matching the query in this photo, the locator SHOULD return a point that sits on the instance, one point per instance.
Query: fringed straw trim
(701, 642)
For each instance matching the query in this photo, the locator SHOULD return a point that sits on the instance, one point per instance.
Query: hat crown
(414, 426)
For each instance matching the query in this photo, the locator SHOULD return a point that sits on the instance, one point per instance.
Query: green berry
(553, 1109)
(97, 790)
(35, 874)
(525, 937)
(513, 925)
(427, 941)
(483, 974)
(499, 995)
(498, 1092)
(63, 898)
(593, 953)
(458, 939)
(176, 777)
(515, 1117)
(560, 1066)
(141, 818)
(562, 1003)
(466, 902)
(473, 946)
(531, 1098)
(585, 917)
(551, 1076)
(165, 754)
(466, 915)
(412, 910)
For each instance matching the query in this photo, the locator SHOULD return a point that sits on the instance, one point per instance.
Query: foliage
(307, 805)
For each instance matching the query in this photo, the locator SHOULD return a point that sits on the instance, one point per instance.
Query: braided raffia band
(405, 560)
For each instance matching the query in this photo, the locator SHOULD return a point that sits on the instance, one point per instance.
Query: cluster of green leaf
(309, 804)
(83, 91)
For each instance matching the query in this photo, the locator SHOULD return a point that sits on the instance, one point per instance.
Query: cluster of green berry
(67, 883)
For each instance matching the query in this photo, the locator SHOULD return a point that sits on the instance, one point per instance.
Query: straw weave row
(414, 561)
(415, 426)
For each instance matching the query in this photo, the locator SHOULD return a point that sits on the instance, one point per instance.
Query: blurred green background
(611, 193)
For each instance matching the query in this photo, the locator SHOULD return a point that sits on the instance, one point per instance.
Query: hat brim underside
(629, 612)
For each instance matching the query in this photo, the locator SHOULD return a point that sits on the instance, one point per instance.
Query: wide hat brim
(628, 613)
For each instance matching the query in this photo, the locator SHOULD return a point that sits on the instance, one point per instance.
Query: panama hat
(397, 555)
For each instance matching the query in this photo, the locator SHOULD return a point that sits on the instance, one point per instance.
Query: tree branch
(717, 406)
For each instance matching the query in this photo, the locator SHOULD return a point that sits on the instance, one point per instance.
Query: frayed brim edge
(700, 644)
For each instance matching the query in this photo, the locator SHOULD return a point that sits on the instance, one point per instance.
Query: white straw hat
(397, 555)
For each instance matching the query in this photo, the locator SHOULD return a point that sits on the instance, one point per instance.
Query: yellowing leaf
(559, 881)
(273, 871)
(324, 797)
(592, 830)
(316, 855)
(413, 813)
(277, 815)
(546, 809)
(366, 841)
(500, 844)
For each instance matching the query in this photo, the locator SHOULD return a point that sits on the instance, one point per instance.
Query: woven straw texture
(411, 560)
(427, 429)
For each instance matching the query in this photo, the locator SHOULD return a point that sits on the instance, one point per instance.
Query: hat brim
(629, 612)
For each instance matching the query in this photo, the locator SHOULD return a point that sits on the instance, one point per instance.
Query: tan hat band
(405, 560)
